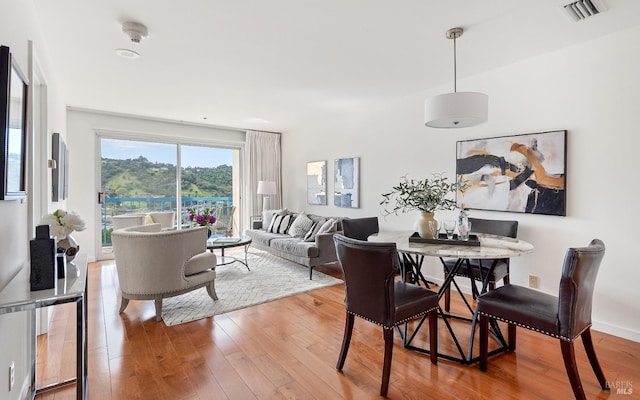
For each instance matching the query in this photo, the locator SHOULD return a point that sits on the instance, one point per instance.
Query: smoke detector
(135, 31)
(583, 9)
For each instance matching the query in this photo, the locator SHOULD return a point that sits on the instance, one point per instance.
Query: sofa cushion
(200, 262)
(329, 226)
(300, 225)
(264, 237)
(280, 223)
(295, 246)
(313, 231)
(267, 216)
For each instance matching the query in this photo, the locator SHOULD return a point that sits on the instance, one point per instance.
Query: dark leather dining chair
(360, 228)
(477, 270)
(564, 317)
(373, 293)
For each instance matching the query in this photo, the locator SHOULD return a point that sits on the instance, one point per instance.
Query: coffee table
(222, 242)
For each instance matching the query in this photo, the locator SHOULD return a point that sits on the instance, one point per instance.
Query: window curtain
(263, 162)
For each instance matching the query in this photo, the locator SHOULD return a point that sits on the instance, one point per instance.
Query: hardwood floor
(288, 349)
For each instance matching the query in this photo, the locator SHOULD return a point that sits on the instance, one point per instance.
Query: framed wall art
(59, 174)
(346, 182)
(317, 182)
(521, 173)
(13, 124)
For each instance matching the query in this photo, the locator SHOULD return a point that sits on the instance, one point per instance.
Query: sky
(192, 156)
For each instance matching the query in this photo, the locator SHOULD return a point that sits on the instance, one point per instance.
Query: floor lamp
(266, 188)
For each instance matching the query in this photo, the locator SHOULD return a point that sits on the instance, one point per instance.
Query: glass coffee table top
(223, 242)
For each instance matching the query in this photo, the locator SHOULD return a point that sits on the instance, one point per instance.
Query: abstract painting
(346, 182)
(521, 173)
(317, 182)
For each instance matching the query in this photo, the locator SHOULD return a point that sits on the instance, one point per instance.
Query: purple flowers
(203, 218)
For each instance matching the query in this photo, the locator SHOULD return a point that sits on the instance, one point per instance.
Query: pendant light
(457, 109)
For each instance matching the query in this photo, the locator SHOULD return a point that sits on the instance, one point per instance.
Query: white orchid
(62, 223)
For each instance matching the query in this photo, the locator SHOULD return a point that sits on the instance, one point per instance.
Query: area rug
(270, 278)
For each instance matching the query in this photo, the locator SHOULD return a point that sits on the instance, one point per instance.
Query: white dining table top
(491, 246)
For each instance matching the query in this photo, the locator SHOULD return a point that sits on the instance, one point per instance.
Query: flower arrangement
(426, 195)
(62, 223)
(202, 218)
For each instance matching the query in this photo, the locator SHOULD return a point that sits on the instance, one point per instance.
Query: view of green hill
(140, 177)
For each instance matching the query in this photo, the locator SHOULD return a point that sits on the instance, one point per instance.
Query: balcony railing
(139, 205)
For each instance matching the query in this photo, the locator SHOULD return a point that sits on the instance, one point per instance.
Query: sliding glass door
(140, 177)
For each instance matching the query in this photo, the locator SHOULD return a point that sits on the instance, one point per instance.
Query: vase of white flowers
(61, 225)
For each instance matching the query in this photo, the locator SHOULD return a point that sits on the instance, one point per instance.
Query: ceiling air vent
(583, 9)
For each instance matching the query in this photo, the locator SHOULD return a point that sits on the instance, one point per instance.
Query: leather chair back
(360, 228)
(494, 227)
(368, 269)
(578, 279)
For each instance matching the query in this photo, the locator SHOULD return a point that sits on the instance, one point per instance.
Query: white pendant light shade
(456, 110)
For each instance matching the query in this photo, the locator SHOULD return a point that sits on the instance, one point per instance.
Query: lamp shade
(456, 110)
(266, 187)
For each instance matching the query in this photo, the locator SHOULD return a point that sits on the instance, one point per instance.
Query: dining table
(412, 250)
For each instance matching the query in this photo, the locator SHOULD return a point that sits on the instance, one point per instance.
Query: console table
(71, 289)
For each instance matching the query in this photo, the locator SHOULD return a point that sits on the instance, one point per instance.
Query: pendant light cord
(455, 77)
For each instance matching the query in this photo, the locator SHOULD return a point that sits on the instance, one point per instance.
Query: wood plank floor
(287, 349)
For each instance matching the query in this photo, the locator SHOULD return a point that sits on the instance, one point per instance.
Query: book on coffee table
(226, 239)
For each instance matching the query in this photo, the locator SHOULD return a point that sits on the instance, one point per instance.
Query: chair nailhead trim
(566, 339)
(397, 323)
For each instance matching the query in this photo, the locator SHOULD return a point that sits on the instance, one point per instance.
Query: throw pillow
(267, 216)
(300, 225)
(328, 226)
(313, 231)
(281, 223)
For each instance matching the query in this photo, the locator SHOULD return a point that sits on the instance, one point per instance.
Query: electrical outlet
(12, 375)
(533, 281)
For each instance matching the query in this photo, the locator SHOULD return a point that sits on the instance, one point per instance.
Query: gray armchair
(153, 264)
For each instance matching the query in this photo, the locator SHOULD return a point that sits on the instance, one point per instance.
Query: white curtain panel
(262, 163)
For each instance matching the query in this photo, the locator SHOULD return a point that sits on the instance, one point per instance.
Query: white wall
(592, 90)
(18, 25)
(83, 126)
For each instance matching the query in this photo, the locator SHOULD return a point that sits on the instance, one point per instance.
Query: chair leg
(474, 288)
(158, 301)
(484, 341)
(386, 368)
(433, 335)
(511, 332)
(346, 339)
(569, 356)
(123, 304)
(447, 295)
(211, 289)
(591, 353)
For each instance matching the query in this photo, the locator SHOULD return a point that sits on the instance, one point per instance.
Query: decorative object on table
(317, 182)
(464, 226)
(426, 196)
(204, 217)
(457, 109)
(520, 173)
(441, 238)
(44, 273)
(449, 226)
(346, 182)
(13, 134)
(62, 224)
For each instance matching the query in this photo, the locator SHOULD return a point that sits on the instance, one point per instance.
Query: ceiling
(274, 65)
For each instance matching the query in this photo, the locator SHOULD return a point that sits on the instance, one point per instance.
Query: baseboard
(615, 330)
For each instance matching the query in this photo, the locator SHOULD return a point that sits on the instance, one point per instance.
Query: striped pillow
(280, 223)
